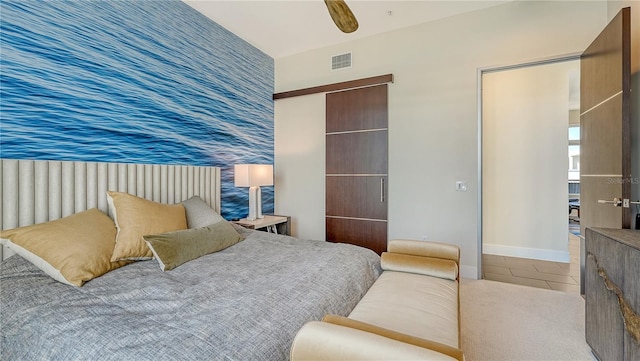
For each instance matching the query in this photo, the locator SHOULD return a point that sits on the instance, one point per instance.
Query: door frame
(480, 72)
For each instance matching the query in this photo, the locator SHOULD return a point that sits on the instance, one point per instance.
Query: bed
(244, 302)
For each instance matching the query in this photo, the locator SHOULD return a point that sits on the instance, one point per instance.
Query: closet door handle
(381, 190)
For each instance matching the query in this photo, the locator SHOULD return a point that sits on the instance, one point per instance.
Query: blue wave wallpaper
(137, 82)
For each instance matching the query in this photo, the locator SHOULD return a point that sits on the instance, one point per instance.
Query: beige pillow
(136, 217)
(429, 266)
(72, 250)
(175, 248)
(199, 214)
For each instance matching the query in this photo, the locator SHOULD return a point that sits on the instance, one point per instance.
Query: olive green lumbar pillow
(175, 248)
(72, 250)
(136, 217)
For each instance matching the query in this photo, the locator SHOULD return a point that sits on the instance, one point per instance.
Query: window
(574, 133)
(574, 154)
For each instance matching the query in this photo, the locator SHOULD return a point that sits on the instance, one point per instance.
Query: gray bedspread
(244, 303)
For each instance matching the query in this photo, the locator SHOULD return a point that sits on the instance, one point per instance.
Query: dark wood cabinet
(612, 293)
(356, 167)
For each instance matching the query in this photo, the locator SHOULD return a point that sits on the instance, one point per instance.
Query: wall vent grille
(341, 61)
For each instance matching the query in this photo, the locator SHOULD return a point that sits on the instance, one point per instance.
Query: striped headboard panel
(36, 191)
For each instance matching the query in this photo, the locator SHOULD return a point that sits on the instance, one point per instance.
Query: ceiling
(285, 27)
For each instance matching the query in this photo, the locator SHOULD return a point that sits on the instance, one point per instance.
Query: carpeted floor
(505, 322)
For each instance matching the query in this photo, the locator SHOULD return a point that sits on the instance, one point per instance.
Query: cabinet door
(632, 294)
(356, 167)
(603, 324)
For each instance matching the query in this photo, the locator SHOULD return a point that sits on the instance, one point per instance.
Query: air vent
(341, 61)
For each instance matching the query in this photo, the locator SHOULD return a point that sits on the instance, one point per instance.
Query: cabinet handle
(381, 190)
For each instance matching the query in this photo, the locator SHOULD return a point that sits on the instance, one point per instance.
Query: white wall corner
(470, 272)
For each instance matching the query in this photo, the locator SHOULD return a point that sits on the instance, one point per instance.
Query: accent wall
(151, 82)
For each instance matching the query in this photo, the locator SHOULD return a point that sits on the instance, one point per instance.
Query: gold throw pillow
(72, 250)
(136, 217)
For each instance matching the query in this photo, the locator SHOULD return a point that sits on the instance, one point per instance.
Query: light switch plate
(461, 186)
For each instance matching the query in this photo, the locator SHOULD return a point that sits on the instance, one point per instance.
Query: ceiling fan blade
(342, 15)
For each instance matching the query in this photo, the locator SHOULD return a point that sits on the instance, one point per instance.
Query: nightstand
(272, 223)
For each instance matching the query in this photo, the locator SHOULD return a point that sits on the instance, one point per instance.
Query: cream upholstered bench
(411, 312)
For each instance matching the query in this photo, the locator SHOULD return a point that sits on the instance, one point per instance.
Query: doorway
(528, 172)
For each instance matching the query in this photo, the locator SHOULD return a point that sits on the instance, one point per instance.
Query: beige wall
(299, 164)
(524, 125)
(433, 113)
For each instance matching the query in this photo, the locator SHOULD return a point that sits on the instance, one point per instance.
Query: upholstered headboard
(36, 191)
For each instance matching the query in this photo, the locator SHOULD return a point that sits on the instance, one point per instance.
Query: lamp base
(255, 204)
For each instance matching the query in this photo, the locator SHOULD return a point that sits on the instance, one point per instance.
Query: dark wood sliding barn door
(356, 167)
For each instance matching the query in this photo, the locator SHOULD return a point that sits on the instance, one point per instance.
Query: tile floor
(536, 273)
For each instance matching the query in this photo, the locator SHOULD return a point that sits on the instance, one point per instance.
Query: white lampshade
(253, 175)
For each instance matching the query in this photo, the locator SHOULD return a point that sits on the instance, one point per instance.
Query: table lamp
(253, 176)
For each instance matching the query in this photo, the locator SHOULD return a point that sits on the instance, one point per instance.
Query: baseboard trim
(524, 252)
